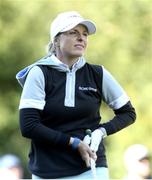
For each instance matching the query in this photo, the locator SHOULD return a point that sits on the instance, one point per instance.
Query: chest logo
(81, 88)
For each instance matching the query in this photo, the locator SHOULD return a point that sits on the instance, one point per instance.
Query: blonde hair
(51, 48)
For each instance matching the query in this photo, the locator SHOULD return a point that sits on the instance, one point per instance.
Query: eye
(85, 34)
(72, 32)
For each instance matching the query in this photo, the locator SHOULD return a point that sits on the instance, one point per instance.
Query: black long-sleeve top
(57, 103)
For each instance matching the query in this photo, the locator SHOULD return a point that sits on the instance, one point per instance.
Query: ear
(57, 41)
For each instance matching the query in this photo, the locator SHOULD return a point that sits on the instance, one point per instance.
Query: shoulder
(35, 71)
(35, 74)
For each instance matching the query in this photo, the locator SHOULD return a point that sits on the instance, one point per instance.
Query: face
(72, 44)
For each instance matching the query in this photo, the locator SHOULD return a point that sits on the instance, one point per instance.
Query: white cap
(68, 20)
(135, 153)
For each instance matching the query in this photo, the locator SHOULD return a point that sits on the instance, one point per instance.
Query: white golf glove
(95, 138)
(87, 139)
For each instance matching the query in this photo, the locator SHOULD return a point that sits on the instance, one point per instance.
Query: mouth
(80, 46)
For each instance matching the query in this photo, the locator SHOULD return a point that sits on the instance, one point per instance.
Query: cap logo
(66, 26)
(74, 16)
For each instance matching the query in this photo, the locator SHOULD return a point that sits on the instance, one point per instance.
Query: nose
(80, 37)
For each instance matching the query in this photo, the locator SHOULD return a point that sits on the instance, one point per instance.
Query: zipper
(70, 89)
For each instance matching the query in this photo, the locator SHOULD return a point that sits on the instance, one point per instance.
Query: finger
(87, 161)
(93, 155)
(86, 158)
(84, 151)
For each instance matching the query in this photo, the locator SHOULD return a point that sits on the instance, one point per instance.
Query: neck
(68, 60)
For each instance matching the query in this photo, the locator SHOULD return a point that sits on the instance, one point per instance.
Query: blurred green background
(123, 44)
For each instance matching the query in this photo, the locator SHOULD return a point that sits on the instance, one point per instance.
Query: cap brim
(88, 24)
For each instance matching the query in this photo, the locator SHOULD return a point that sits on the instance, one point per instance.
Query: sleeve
(33, 94)
(31, 108)
(32, 128)
(113, 93)
(117, 99)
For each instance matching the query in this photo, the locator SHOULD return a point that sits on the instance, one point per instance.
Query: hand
(96, 137)
(87, 139)
(86, 153)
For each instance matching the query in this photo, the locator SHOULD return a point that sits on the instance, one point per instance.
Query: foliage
(123, 44)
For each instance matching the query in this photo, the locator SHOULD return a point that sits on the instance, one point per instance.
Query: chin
(78, 54)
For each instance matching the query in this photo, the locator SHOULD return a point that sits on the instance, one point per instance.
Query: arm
(32, 128)
(117, 99)
(31, 105)
(124, 116)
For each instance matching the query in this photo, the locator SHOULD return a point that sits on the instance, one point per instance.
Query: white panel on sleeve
(33, 94)
(113, 93)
